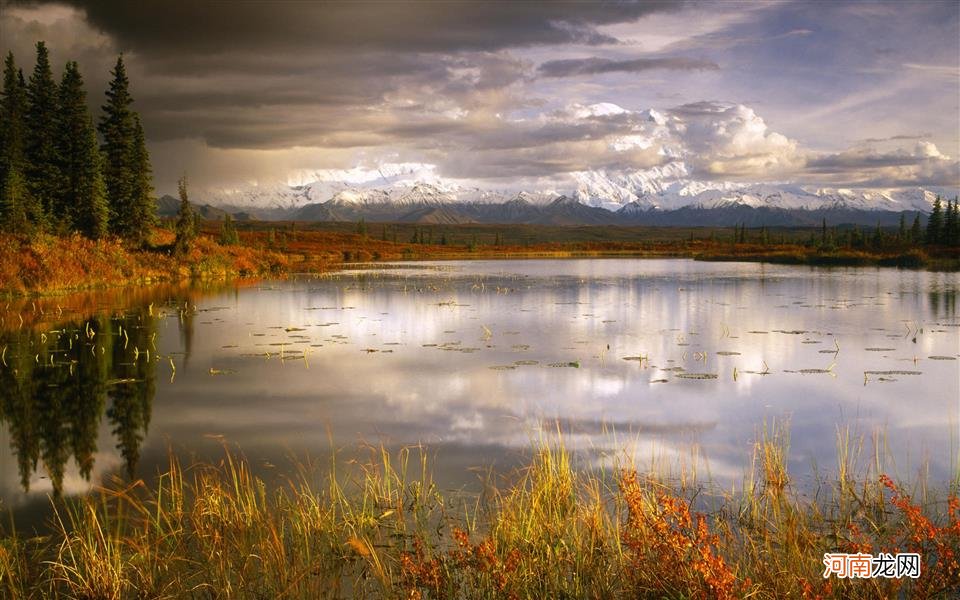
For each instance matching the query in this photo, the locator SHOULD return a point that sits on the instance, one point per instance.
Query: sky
(523, 94)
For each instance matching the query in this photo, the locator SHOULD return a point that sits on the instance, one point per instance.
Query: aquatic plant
(381, 528)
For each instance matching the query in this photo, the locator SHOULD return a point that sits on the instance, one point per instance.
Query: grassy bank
(382, 529)
(47, 264)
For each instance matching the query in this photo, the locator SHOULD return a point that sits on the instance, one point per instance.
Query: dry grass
(382, 529)
(49, 264)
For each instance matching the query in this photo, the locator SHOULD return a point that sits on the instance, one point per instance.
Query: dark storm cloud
(188, 28)
(699, 109)
(596, 66)
(846, 162)
(231, 72)
(896, 138)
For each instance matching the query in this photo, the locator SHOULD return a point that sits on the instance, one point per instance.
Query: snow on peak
(601, 109)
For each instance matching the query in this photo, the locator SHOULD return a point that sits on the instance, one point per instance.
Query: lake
(672, 363)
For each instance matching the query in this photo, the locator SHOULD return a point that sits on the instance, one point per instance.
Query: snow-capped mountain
(671, 188)
(392, 190)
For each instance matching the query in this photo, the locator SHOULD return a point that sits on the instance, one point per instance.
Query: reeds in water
(382, 528)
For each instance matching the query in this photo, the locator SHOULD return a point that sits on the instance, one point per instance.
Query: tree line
(56, 174)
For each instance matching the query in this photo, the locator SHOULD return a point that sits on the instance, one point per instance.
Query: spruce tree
(915, 230)
(12, 106)
(902, 229)
(935, 223)
(12, 109)
(82, 199)
(956, 221)
(186, 228)
(42, 163)
(14, 202)
(228, 232)
(126, 162)
(143, 205)
(950, 224)
(116, 127)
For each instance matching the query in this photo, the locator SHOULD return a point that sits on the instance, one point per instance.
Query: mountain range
(663, 195)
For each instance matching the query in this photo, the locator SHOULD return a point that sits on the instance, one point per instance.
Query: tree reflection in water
(59, 379)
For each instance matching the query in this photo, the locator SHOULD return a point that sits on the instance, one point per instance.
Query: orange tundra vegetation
(47, 264)
(381, 528)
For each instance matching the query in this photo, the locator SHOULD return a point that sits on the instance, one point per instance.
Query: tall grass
(382, 528)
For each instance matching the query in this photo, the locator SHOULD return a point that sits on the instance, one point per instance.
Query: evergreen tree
(902, 230)
(13, 106)
(950, 224)
(14, 202)
(126, 162)
(915, 230)
(82, 200)
(42, 163)
(935, 223)
(144, 207)
(228, 232)
(186, 229)
(956, 221)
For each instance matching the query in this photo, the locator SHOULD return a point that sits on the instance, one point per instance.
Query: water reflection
(55, 385)
(474, 358)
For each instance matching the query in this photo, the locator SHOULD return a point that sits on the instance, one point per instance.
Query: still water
(663, 361)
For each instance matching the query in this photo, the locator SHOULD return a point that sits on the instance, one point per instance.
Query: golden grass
(382, 529)
(49, 264)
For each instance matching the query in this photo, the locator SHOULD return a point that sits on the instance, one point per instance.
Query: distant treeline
(56, 174)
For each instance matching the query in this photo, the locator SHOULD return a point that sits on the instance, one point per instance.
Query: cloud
(924, 164)
(726, 140)
(595, 66)
(520, 91)
(190, 28)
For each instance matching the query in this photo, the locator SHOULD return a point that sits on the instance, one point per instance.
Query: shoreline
(49, 266)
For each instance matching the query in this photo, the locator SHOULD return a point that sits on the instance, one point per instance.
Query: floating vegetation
(727, 353)
(893, 372)
(791, 332)
(879, 349)
(370, 350)
(939, 357)
(697, 375)
(526, 363)
(520, 347)
(674, 369)
(640, 358)
(221, 371)
(289, 329)
(502, 367)
(658, 381)
(574, 364)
